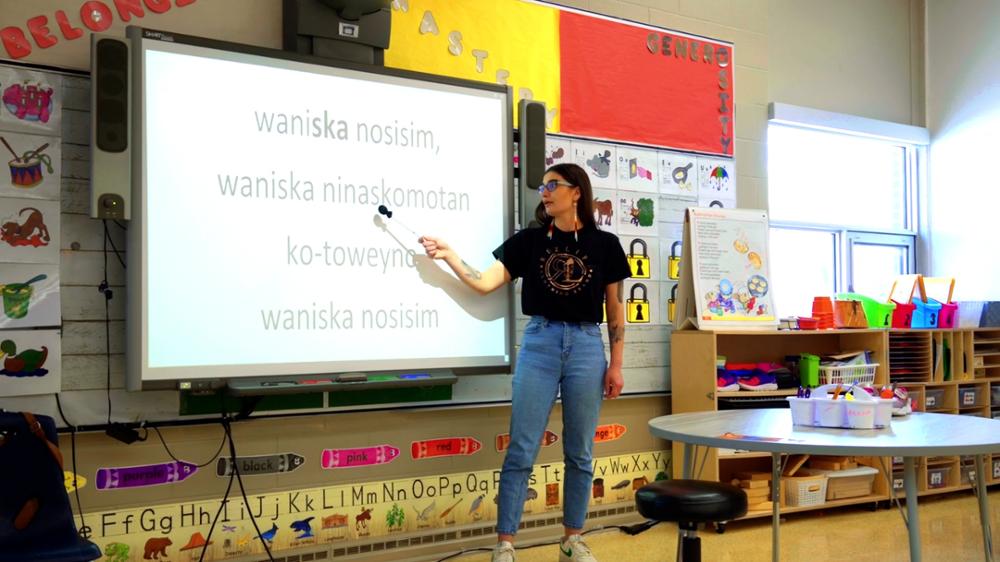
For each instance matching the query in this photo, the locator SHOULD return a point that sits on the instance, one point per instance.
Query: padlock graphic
(674, 263)
(638, 262)
(638, 308)
(672, 304)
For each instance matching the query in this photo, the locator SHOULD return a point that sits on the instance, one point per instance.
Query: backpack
(36, 520)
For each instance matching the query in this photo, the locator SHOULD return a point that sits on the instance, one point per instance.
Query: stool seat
(691, 501)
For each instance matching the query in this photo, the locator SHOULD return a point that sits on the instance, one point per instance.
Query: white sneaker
(503, 552)
(574, 549)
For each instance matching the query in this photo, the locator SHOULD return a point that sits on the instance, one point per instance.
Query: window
(842, 204)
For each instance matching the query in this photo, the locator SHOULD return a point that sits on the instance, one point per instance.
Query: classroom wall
(963, 115)
(782, 53)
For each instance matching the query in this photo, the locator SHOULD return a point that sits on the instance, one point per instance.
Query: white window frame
(914, 141)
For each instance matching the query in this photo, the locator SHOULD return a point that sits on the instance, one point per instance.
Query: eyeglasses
(552, 185)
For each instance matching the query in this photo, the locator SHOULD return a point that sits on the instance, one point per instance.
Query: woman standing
(569, 268)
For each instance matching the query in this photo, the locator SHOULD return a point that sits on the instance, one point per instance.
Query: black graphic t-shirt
(564, 279)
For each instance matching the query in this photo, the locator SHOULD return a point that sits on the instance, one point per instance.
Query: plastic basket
(803, 491)
(849, 374)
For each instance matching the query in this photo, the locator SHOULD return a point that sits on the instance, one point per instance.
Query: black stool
(689, 503)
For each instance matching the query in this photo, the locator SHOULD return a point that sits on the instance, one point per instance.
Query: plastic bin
(878, 314)
(937, 476)
(969, 313)
(948, 317)
(803, 491)
(851, 374)
(849, 483)
(995, 395)
(968, 471)
(996, 468)
(933, 398)
(968, 396)
(809, 370)
(925, 314)
(902, 315)
(803, 410)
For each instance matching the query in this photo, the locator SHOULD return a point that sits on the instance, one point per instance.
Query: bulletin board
(599, 77)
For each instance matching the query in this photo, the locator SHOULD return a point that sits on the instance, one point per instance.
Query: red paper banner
(637, 84)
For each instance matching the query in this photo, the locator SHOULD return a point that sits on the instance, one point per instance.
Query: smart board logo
(349, 30)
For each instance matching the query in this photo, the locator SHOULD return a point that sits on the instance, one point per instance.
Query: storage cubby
(986, 354)
(958, 370)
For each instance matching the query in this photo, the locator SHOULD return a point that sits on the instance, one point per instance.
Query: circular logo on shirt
(565, 271)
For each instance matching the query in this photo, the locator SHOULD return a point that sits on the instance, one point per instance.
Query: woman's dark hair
(577, 176)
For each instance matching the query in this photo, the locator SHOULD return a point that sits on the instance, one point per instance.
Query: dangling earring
(576, 238)
(553, 222)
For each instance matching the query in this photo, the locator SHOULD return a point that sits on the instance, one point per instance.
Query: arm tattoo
(471, 272)
(621, 292)
(616, 333)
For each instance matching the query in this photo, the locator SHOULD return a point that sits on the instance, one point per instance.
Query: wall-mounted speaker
(531, 157)
(110, 136)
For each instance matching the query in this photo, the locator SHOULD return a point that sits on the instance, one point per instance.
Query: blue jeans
(562, 358)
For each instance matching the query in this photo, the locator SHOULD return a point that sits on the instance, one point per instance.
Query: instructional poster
(728, 281)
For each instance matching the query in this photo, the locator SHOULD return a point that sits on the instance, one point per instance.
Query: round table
(912, 436)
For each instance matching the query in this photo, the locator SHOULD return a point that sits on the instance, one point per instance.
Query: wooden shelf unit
(960, 367)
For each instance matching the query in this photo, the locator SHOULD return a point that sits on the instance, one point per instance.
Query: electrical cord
(106, 291)
(175, 459)
(243, 492)
(83, 531)
(225, 497)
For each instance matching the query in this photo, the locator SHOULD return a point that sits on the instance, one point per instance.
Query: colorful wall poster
(260, 464)
(716, 178)
(643, 254)
(604, 209)
(678, 174)
(30, 362)
(29, 295)
(638, 169)
(716, 202)
(671, 250)
(29, 231)
(444, 447)
(728, 278)
(557, 150)
(636, 213)
(641, 299)
(668, 302)
(599, 160)
(144, 476)
(672, 209)
(352, 515)
(34, 164)
(31, 101)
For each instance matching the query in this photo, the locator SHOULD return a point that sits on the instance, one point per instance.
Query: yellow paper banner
(501, 41)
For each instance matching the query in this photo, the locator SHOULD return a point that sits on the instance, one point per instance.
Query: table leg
(686, 469)
(984, 508)
(912, 518)
(775, 506)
